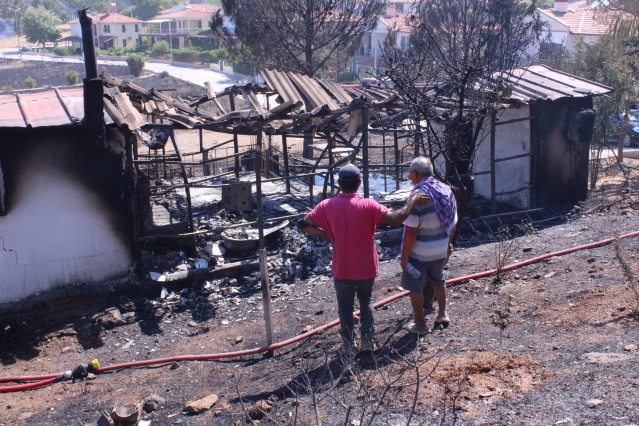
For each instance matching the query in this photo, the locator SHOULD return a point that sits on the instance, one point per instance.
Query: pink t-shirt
(350, 221)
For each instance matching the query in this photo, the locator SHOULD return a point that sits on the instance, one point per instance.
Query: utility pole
(17, 24)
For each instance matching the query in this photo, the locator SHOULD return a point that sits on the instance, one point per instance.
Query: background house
(110, 29)
(181, 21)
(570, 22)
(369, 56)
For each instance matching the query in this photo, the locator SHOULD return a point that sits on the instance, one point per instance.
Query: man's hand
(450, 249)
(403, 262)
(419, 198)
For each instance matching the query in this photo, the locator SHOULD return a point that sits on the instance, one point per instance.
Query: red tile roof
(580, 19)
(398, 22)
(109, 18)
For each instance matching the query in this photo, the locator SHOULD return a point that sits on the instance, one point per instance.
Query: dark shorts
(432, 273)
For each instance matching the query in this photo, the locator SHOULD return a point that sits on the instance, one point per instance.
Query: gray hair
(422, 166)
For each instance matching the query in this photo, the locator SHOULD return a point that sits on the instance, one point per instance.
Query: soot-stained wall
(67, 218)
(562, 165)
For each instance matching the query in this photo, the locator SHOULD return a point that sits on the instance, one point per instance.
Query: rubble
(201, 405)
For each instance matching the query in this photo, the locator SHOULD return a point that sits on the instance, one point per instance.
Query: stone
(630, 348)
(201, 405)
(550, 275)
(238, 339)
(592, 403)
(604, 358)
(153, 403)
(192, 324)
(110, 318)
(307, 328)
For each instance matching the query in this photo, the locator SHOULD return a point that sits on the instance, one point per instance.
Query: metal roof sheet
(45, 108)
(539, 82)
(10, 114)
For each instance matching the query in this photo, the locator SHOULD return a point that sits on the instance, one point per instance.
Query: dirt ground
(552, 342)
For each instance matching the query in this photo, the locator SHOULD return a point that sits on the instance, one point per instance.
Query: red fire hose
(80, 372)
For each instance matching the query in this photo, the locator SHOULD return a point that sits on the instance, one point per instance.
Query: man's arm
(410, 236)
(308, 226)
(397, 217)
(450, 243)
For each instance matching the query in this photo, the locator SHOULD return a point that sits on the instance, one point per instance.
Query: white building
(180, 21)
(570, 22)
(110, 29)
(369, 55)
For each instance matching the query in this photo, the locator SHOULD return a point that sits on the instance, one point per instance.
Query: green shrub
(145, 44)
(185, 54)
(160, 48)
(72, 77)
(64, 50)
(219, 54)
(30, 82)
(348, 77)
(136, 62)
(243, 67)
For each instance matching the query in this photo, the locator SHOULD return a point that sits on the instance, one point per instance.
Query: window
(107, 28)
(123, 43)
(137, 30)
(123, 28)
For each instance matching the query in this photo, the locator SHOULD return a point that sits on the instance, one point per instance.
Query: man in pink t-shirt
(348, 221)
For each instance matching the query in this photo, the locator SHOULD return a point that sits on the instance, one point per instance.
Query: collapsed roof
(289, 103)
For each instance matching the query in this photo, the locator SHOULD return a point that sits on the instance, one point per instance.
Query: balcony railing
(165, 30)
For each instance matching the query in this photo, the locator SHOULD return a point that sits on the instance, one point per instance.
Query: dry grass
(11, 42)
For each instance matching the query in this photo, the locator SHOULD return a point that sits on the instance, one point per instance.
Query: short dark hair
(349, 185)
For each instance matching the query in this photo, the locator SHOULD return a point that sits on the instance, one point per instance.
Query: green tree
(55, 6)
(300, 35)
(40, 25)
(450, 76)
(136, 62)
(12, 9)
(94, 5)
(147, 9)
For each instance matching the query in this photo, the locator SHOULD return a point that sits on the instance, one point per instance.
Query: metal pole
(384, 159)
(365, 149)
(493, 182)
(171, 39)
(286, 170)
(266, 291)
(396, 153)
(236, 151)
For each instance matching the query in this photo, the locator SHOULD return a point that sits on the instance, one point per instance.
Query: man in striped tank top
(427, 243)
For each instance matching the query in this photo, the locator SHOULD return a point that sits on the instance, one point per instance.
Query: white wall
(510, 140)
(56, 232)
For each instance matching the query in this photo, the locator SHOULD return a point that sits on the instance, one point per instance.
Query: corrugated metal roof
(64, 107)
(47, 108)
(539, 82)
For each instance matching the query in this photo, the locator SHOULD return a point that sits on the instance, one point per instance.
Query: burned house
(64, 210)
(80, 207)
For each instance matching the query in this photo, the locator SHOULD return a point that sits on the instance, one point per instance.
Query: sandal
(441, 322)
(414, 328)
